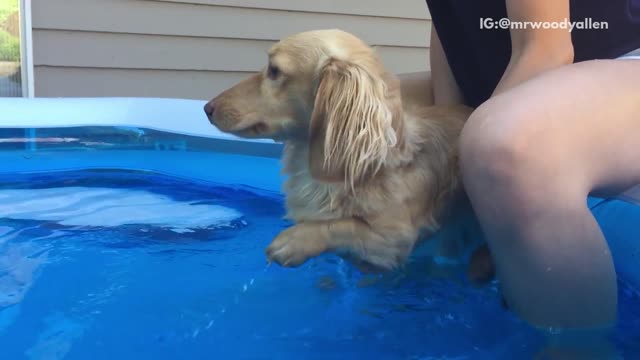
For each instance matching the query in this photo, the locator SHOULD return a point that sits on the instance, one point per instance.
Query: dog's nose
(209, 108)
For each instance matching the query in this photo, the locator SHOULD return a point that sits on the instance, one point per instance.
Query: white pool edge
(180, 116)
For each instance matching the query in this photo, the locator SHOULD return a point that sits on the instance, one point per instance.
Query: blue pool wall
(173, 137)
(170, 136)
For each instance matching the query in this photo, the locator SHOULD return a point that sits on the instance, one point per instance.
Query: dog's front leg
(381, 248)
(295, 245)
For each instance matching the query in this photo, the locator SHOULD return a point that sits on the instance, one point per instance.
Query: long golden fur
(368, 174)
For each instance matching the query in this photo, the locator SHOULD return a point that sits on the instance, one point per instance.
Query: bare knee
(506, 160)
(494, 147)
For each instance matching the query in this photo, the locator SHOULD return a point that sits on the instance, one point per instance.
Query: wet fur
(368, 174)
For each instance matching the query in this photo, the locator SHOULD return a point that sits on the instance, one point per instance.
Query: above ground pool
(132, 229)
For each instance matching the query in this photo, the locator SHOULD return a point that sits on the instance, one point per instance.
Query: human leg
(530, 157)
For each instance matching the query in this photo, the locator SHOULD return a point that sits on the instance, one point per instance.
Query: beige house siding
(196, 48)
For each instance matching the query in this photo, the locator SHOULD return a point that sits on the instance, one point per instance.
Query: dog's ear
(356, 120)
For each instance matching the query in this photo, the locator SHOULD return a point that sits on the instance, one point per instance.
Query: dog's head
(327, 88)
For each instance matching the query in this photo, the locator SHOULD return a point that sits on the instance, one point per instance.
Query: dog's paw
(295, 245)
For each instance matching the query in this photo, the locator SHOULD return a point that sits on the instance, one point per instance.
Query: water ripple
(111, 207)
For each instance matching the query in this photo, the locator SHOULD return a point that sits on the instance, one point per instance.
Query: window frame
(26, 50)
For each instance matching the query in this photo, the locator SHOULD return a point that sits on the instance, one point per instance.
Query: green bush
(9, 47)
(7, 7)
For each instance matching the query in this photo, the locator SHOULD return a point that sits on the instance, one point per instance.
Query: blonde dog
(369, 175)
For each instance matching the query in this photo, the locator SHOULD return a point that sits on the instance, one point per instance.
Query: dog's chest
(308, 199)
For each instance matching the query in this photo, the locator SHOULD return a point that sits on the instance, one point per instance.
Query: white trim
(180, 116)
(26, 49)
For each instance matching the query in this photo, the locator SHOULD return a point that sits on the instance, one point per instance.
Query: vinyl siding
(196, 48)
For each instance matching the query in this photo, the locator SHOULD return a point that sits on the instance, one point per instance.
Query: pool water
(137, 265)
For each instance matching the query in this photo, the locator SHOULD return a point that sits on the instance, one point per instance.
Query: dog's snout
(209, 109)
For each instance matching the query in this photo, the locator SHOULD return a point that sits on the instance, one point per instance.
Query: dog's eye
(273, 72)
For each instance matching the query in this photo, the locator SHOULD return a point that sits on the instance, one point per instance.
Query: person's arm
(445, 87)
(432, 87)
(536, 50)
